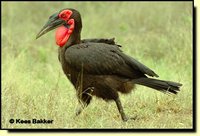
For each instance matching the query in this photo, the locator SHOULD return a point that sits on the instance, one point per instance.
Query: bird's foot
(125, 118)
(133, 118)
(78, 111)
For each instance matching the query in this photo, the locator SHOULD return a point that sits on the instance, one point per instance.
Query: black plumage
(99, 67)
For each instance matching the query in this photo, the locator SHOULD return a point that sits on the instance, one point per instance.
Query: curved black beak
(51, 24)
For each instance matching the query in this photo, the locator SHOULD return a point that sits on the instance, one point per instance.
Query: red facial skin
(63, 33)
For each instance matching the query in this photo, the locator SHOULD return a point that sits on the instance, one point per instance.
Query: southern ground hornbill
(98, 66)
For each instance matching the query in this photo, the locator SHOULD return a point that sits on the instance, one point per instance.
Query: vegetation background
(158, 34)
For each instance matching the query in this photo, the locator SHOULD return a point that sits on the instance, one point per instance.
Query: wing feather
(103, 59)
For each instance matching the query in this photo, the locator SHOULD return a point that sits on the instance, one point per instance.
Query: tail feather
(160, 85)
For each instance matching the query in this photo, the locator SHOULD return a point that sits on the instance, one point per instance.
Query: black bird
(98, 66)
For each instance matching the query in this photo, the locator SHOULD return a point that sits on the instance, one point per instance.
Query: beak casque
(52, 23)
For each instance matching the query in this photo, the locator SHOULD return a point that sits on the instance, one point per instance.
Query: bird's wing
(138, 66)
(103, 59)
(101, 40)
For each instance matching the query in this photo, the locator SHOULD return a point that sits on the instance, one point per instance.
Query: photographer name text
(31, 121)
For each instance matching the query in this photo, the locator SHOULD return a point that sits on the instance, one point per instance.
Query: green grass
(33, 85)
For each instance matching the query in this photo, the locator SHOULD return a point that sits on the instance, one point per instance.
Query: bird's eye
(63, 15)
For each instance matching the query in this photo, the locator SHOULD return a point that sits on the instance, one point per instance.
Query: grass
(33, 85)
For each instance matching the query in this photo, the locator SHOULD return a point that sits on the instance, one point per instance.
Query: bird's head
(68, 24)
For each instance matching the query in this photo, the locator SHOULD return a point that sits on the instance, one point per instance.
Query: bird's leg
(84, 99)
(83, 104)
(121, 110)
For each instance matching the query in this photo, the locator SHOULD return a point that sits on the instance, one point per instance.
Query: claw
(125, 119)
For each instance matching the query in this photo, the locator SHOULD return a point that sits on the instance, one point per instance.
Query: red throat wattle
(63, 33)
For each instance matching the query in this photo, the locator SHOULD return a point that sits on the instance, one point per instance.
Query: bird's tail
(160, 85)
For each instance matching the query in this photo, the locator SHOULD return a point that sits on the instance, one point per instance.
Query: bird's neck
(69, 34)
(75, 38)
